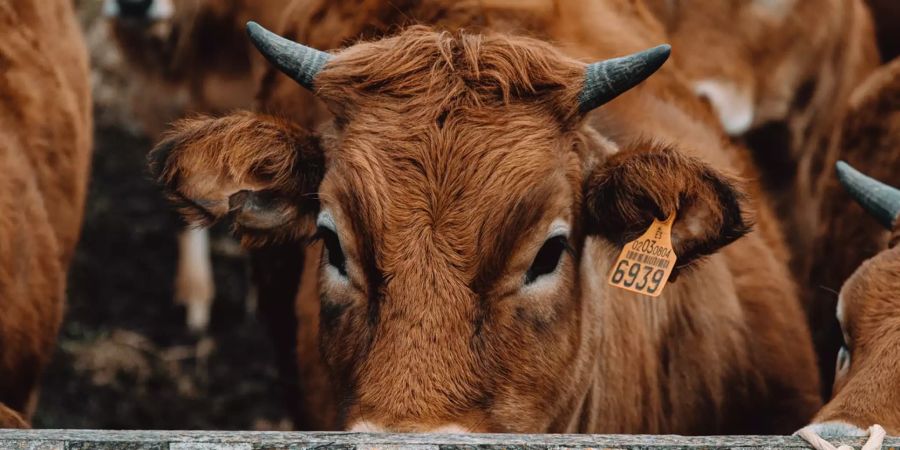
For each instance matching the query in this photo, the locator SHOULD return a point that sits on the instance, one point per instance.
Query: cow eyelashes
(333, 252)
(547, 258)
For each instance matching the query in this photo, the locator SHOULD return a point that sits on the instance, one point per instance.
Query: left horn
(878, 199)
(297, 61)
(605, 80)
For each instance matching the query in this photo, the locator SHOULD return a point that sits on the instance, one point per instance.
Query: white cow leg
(194, 286)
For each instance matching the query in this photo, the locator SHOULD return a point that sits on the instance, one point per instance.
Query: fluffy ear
(261, 171)
(634, 186)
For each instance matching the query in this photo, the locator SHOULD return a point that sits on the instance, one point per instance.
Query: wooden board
(220, 440)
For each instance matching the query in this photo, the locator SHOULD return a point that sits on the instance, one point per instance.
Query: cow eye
(547, 258)
(333, 251)
(843, 359)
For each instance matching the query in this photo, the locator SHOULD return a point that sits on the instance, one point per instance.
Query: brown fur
(871, 142)
(867, 391)
(289, 166)
(45, 141)
(11, 419)
(451, 155)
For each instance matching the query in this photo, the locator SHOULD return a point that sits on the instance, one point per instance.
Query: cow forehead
(442, 190)
(870, 293)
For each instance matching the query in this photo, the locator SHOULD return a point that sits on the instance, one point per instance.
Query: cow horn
(605, 80)
(879, 199)
(297, 61)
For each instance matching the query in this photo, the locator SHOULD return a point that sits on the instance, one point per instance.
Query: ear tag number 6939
(644, 265)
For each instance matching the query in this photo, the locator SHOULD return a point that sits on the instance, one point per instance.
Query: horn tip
(880, 200)
(253, 28)
(844, 171)
(663, 49)
(659, 54)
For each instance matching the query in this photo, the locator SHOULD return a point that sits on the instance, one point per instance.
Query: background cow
(45, 142)
(407, 286)
(188, 57)
(780, 75)
(870, 141)
(867, 383)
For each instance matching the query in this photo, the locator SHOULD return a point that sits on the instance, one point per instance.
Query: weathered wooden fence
(221, 440)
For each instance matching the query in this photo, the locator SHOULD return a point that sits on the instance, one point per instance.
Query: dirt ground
(125, 359)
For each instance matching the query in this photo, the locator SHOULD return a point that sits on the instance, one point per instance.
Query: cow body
(779, 76)
(870, 140)
(451, 154)
(45, 141)
(866, 381)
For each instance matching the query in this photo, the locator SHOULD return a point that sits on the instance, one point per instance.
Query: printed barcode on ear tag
(644, 265)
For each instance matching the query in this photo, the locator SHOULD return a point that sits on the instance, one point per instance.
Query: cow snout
(139, 10)
(365, 426)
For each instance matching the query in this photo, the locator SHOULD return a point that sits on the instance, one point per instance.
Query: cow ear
(624, 195)
(261, 171)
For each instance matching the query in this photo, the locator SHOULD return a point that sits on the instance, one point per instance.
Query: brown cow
(45, 142)
(779, 74)
(193, 57)
(867, 384)
(871, 141)
(469, 212)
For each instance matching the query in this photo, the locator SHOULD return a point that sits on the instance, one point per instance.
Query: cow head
(139, 10)
(172, 38)
(866, 381)
(147, 30)
(453, 194)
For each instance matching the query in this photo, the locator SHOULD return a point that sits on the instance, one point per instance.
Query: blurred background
(125, 358)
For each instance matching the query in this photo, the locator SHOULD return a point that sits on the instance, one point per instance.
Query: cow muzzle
(364, 426)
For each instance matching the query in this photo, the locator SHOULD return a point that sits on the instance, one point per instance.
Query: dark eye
(333, 249)
(547, 258)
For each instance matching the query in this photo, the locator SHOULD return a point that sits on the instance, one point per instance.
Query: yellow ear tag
(645, 263)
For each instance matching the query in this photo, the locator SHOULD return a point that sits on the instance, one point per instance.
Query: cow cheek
(534, 362)
(344, 335)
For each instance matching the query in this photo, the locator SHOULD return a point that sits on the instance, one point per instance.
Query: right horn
(605, 80)
(878, 199)
(297, 61)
